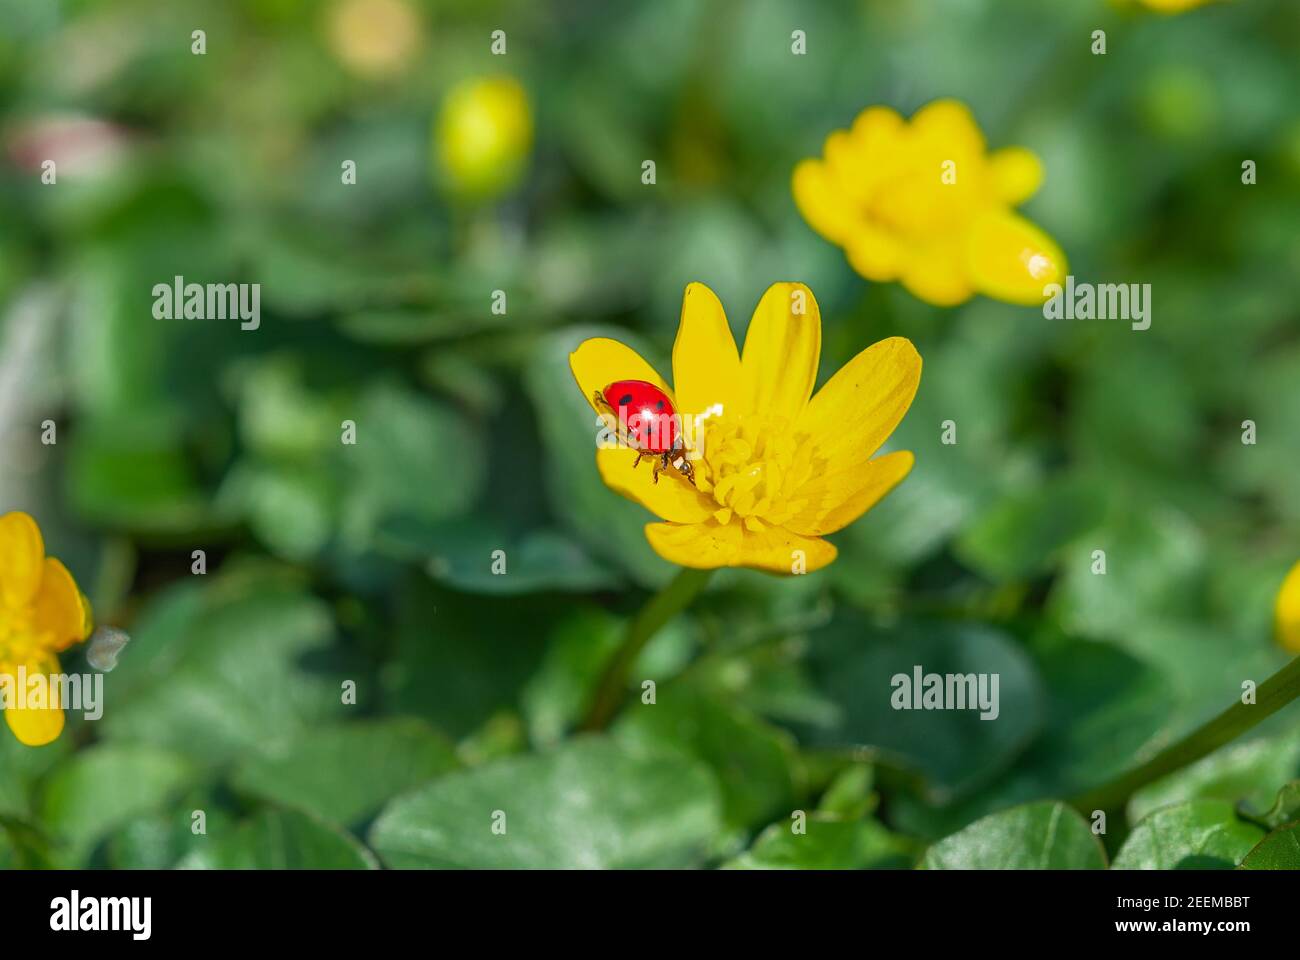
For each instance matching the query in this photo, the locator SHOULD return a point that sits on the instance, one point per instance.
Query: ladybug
(648, 423)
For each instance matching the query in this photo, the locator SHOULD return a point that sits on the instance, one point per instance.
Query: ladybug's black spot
(625, 400)
(659, 406)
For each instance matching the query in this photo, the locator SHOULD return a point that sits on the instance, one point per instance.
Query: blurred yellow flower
(924, 203)
(482, 136)
(374, 38)
(1287, 616)
(775, 467)
(41, 614)
(1174, 6)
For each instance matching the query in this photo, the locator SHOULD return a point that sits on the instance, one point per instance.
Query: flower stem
(1272, 695)
(662, 607)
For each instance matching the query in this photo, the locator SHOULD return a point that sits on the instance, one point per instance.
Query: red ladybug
(648, 423)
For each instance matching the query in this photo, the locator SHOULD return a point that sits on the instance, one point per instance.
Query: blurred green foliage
(372, 563)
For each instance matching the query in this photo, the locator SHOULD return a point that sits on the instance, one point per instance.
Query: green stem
(1272, 695)
(662, 607)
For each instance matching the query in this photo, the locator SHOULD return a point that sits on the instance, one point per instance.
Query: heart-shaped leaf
(592, 803)
(381, 759)
(1037, 836)
(1197, 835)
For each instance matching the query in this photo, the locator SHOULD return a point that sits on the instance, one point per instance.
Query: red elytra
(647, 422)
(645, 415)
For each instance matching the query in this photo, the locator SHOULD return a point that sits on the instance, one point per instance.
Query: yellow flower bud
(482, 136)
(1287, 616)
(1174, 6)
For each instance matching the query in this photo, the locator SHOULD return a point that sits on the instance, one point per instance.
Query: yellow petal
(936, 274)
(776, 550)
(709, 545)
(1174, 6)
(1008, 258)
(703, 546)
(32, 725)
(859, 407)
(598, 362)
(874, 253)
(706, 364)
(1288, 611)
(949, 123)
(782, 347)
(22, 556)
(672, 498)
(836, 500)
(848, 168)
(61, 610)
(875, 131)
(820, 201)
(1017, 174)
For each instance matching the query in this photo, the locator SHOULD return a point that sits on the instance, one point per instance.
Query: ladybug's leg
(639, 455)
(681, 463)
(685, 469)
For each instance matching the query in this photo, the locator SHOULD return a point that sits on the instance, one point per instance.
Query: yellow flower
(483, 134)
(1287, 617)
(1174, 6)
(775, 467)
(924, 203)
(41, 613)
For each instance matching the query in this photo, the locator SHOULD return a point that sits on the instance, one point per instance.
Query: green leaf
(218, 672)
(1197, 835)
(102, 787)
(1285, 809)
(752, 760)
(414, 459)
(855, 665)
(282, 840)
(1106, 711)
(829, 843)
(591, 804)
(346, 772)
(130, 470)
(463, 554)
(281, 418)
(159, 839)
(1152, 559)
(1246, 773)
(292, 508)
(1037, 836)
(1280, 850)
(1026, 532)
(577, 649)
(21, 767)
(849, 794)
(459, 661)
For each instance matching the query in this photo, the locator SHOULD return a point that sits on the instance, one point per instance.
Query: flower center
(752, 466)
